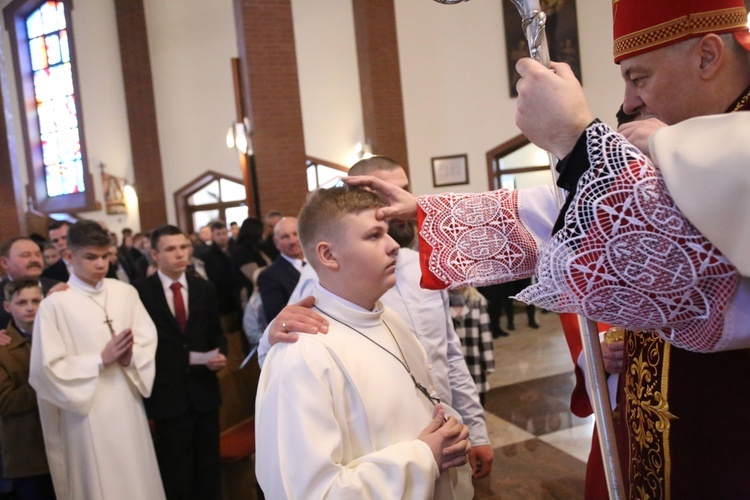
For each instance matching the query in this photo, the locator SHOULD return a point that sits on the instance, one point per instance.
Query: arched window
(321, 173)
(44, 61)
(517, 163)
(208, 197)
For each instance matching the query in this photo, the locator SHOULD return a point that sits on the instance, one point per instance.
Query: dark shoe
(533, 324)
(499, 333)
(511, 326)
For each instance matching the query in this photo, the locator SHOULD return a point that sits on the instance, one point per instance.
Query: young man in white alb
(350, 414)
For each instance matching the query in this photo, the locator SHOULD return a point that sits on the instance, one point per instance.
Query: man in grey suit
(276, 283)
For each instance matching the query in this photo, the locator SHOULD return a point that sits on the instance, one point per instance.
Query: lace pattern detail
(627, 256)
(476, 239)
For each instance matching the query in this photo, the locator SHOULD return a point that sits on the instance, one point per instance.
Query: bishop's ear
(712, 49)
(326, 255)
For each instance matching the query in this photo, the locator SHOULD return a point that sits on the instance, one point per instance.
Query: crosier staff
(533, 21)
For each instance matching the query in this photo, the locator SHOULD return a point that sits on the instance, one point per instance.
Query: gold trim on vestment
(695, 24)
(742, 102)
(647, 414)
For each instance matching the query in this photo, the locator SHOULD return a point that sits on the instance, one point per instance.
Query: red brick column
(11, 223)
(265, 37)
(380, 78)
(141, 109)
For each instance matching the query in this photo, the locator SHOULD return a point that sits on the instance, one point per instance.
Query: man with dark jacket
(185, 400)
(22, 258)
(276, 283)
(223, 274)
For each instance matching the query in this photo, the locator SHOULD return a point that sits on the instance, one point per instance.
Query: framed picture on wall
(562, 37)
(450, 170)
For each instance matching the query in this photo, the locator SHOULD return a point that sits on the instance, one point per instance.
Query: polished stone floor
(540, 447)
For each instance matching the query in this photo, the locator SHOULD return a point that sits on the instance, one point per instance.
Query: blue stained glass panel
(61, 80)
(53, 49)
(42, 85)
(50, 18)
(38, 52)
(68, 145)
(34, 24)
(64, 47)
(46, 112)
(60, 16)
(66, 112)
(56, 103)
(50, 153)
(53, 175)
(72, 176)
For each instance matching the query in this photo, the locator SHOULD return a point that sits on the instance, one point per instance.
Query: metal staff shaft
(533, 20)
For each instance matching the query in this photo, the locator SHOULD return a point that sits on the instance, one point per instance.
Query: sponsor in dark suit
(22, 258)
(57, 271)
(58, 236)
(185, 399)
(222, 273)
(277, 282)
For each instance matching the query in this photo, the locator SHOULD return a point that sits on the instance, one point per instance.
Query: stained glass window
(57, 113)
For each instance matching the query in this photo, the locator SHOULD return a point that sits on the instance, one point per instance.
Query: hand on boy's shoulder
(4, 337)
(297, 318)
(60, 287)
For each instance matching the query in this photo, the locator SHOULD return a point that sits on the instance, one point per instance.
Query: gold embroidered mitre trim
(681, 27)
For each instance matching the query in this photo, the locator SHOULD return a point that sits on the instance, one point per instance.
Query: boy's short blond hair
(319, 217)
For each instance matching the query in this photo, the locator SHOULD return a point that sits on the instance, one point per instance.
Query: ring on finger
(283, 327)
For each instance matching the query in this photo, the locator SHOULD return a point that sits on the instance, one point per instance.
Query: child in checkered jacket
(472, 324)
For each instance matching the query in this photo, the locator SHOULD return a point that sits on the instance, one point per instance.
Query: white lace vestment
(625, 256)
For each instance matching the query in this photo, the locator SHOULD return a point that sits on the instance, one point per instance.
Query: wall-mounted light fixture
(363, 150)
(239, 137)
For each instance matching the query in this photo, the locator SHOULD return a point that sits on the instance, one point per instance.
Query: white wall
(191, 46)
(454, 79)
(328, 78)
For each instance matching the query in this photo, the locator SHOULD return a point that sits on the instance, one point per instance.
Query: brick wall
(380, 78)
(141, 107)
(10, 197)
(271, 100)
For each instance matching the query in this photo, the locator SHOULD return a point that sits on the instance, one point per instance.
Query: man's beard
(403, 231)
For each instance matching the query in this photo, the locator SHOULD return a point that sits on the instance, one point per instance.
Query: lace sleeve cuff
(628, 257)
(473, 239)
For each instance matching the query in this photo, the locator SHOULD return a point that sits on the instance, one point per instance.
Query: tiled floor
(540, 447)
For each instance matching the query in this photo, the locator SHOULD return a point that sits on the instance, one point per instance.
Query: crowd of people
(110, 346)
(142, 377)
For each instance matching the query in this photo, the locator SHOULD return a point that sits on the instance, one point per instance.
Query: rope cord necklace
(432, 399)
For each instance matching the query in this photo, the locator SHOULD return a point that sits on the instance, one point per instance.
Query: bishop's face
(664, 83)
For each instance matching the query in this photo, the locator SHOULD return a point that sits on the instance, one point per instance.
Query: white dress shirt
(166, 283)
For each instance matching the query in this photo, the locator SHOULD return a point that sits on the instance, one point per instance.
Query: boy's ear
(6, 306)
(326, 256)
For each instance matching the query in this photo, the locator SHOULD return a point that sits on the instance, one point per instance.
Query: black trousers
(34, 487)
(499, 302)
(187, 449)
